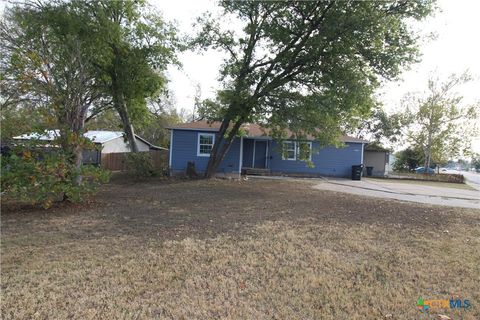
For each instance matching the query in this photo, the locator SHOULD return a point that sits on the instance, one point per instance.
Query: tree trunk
(211, 166)
(428, 152)
(71, 138)
(78, 164)
(427, 163)
(221, 147)
(118, 98)
(73, 146)
(128, 128)
(121, 107)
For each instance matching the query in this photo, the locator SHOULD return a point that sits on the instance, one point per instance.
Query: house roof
(47, 136)
(253, 130)
(96, 136)
(102, 136)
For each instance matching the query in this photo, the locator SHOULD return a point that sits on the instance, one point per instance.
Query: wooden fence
(117, 161)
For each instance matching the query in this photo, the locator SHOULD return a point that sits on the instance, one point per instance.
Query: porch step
(256, 171)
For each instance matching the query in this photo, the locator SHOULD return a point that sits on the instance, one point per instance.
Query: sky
(455, 49)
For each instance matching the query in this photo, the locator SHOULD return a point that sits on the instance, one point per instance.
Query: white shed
(114, 142)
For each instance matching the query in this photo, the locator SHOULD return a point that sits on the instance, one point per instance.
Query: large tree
(443, 124)
(137, 46)
(308, 66)
(46, 65)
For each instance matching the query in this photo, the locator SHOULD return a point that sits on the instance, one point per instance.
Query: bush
(407, 160)
(43, 177)
(140, 165)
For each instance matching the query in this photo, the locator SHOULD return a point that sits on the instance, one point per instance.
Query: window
(289, 150)
(293, 150)
(304, 151)
(205, 144)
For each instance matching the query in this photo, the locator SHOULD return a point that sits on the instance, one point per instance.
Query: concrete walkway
(412, 192)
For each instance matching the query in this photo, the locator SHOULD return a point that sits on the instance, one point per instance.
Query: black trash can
(369, 171)
(357, 172)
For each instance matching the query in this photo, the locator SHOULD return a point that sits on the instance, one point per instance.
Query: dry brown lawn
(236, 250)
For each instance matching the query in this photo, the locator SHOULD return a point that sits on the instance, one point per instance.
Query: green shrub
(43, 177)
(140, 165)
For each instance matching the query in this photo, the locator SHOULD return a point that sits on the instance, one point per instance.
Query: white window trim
(294, 150)
(296, 145)
(297, 149)
(198, 143)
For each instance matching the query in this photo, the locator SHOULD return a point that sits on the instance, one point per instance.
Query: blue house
(257, 152)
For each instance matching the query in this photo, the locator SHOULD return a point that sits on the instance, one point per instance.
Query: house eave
(193, 129)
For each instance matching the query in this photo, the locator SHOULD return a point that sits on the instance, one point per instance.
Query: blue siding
(185, 149)
(329, 161)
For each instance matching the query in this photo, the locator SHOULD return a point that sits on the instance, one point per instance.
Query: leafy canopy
(46, 63)
(381, 127)
(308, 64)
(47, 71)
(137, 46)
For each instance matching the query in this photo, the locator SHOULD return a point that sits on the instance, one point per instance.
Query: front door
(259, 153)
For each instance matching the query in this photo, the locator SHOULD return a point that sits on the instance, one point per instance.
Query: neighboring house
(377, 157)
(258, 151)
(107, 142)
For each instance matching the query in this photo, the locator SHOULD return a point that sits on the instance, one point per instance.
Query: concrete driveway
(404, 191)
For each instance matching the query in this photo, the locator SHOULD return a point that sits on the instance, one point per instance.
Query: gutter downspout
(171, 151)
(361, 158)
(240, 163)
